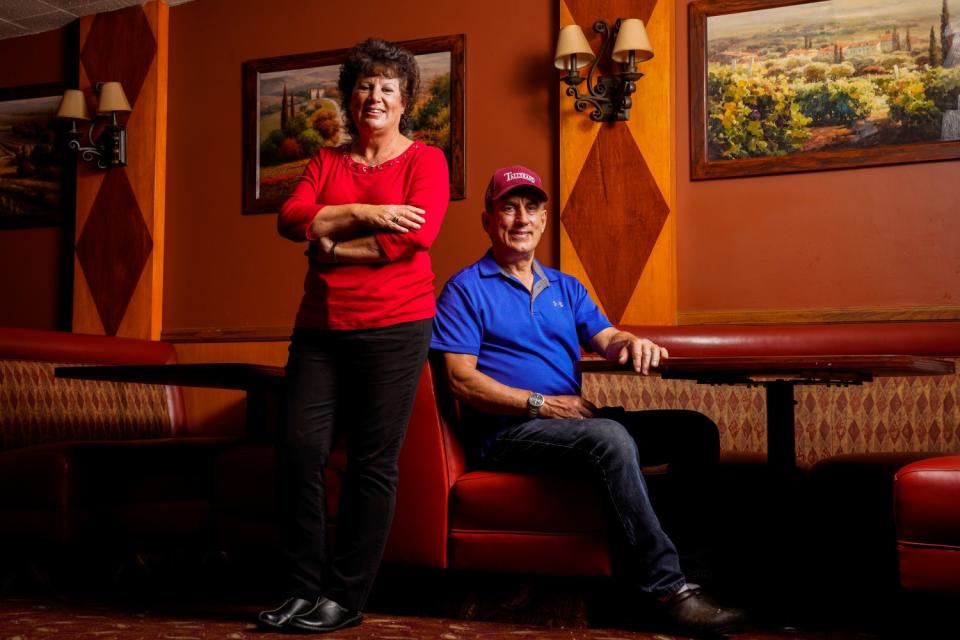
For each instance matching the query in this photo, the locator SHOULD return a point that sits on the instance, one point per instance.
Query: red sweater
(366, 296)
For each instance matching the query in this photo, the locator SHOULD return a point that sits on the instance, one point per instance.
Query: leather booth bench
(61, 472)
(95, 461)
(451, 516)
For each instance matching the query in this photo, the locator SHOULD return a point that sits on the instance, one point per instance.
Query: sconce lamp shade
(112, 98)
(632, 37)
(73, 105)
(572, 41)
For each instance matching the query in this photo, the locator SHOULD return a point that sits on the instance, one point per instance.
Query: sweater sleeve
(301, 207)
(428, 187)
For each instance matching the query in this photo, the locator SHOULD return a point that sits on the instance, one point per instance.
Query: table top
(216, 375)
(843, 369)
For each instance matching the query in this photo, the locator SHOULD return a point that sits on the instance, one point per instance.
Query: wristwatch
(534, 402)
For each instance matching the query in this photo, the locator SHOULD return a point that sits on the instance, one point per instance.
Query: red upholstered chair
(927, 510)
(512, 522)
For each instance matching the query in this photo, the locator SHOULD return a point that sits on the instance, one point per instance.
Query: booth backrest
(37, 408)
(887, 338)
(448, 414)
(418, 535)
(888, 414)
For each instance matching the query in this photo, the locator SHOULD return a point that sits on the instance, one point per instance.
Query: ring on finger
(395, 219)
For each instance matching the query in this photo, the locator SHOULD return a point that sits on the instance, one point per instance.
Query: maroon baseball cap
(507, 179)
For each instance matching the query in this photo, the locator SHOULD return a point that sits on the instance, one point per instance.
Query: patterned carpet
(110, 596)
(59, 619)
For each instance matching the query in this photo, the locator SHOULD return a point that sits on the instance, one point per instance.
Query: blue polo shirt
(524, 339)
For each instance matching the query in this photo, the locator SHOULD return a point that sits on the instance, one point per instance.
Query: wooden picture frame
(783, 52)
(34, 185)
(272, 163)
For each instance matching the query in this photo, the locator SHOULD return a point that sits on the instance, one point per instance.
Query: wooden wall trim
(750, 316)
(227, 334)
(797, 316)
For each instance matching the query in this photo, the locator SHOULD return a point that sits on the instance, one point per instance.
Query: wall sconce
(110, 148)
(610, 95)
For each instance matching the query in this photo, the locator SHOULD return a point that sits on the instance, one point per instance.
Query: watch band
(534, 402)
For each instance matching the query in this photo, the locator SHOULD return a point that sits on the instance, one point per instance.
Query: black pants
(362, 382)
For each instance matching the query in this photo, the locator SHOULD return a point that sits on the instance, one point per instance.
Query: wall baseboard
(227, 334)
(798, 316)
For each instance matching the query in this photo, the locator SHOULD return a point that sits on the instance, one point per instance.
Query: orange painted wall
(859, 238)
(224, 269)
(31, 260)
(879, 237)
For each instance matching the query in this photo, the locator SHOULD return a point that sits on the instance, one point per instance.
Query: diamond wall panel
(614, 216)
(120, 47)
(113, 249)
(616, 226)
(118, 278)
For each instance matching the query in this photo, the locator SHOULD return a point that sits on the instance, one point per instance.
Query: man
(511, 331)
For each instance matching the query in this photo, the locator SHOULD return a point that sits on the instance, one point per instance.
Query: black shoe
(327, 616)
(692, 611)
(279, 617)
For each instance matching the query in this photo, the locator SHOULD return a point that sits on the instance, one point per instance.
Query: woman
(370, 211)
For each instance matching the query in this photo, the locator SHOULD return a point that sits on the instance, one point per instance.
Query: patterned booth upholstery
(851, 439)
(888, 414)
(98, 460)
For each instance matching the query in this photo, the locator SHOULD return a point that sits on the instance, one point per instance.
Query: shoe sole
(294, 630)
(268, 626)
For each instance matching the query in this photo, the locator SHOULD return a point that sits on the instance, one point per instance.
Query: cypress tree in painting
(934, 49)
(944, 28)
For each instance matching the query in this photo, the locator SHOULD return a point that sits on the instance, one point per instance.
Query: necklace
(376, 160)
(375, 166)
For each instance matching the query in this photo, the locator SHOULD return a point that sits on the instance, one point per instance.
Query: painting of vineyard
(298, 110)
(844, 76)
(31, 164)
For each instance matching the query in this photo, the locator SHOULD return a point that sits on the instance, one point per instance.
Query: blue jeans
(612, 448)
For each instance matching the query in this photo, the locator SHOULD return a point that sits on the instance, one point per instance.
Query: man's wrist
(534, 403)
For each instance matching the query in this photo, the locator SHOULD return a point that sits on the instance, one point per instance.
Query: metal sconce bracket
(109, 149)
(609, 96)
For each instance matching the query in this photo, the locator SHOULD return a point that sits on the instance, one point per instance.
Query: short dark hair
(379, 57)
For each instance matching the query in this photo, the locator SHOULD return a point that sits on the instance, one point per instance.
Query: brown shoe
(692, 611)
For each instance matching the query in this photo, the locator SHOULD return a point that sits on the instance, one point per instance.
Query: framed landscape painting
(31, 158)
(779, 86)
(291, 107)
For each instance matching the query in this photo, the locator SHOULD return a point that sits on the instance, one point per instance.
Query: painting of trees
(813, 79)
(293, 109)
(31, 157)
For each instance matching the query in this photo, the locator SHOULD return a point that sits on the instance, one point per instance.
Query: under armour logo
(558, 304)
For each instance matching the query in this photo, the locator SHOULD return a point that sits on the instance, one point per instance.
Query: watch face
(536, 400)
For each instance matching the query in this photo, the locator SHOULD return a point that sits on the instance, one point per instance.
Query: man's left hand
(643, 353)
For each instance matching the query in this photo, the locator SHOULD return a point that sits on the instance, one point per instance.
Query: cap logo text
(518, 175)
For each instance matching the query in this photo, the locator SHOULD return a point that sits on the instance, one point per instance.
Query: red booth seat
(94, 460)
(927, 509)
